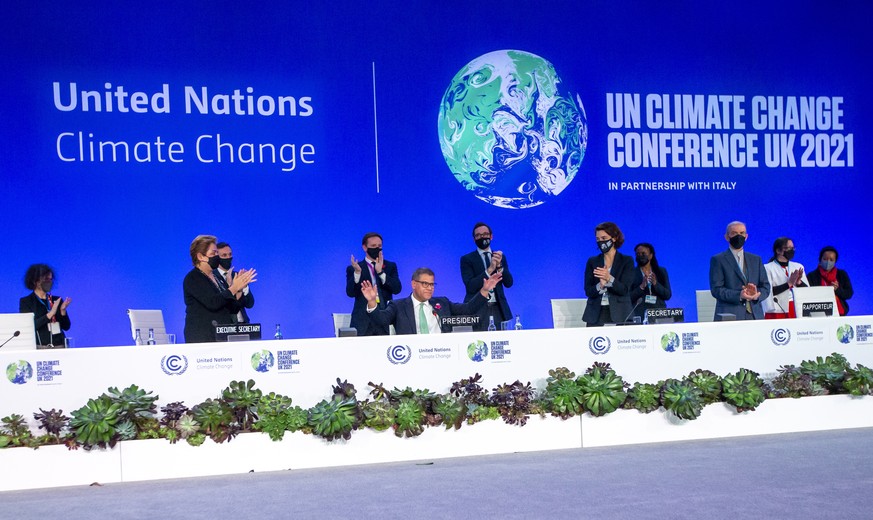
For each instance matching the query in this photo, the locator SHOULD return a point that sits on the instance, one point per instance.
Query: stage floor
(809, 475)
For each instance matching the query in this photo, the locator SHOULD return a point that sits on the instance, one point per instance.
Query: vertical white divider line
(375, 127)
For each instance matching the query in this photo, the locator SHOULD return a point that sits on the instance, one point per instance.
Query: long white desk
(305, 369)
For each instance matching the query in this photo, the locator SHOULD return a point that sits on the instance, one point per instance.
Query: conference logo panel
(510, 131)
(48, 372)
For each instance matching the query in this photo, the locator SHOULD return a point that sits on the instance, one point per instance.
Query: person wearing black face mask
(207, 300)
(784, 275)
(224, 274)
(383, 276)
(50, 318)
(651, 286)
(481, 264)
(828, 275)
(608, 279)
(737, 279)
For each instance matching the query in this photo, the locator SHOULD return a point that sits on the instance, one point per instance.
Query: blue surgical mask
(827, 265)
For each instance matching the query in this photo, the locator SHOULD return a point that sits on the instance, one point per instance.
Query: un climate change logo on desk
(599, 345)
(399, 354)
(477, 351)
(19, 372)
(510, 131)
(670, 342)
(845, 334)
(263, 361)
(780, 337)
(174, 364)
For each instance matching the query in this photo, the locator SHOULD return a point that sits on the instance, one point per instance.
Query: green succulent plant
(451, 410)
(15, 431)
(187, 426)
(149, 429)
(709, 384)
(643, 397)
(378, 415)
(409, 419)
(242, 398)
(859, 380)
(196, 440)
(274, 417)
(170, 434)
(134, 404)
(214, 417)
(744, 390)
(126, 430)
(603, 391)
(477, 413)
(563, 394)
(828, 372)
(94, 424)
(682, 399)
(335, 419)
(54, 422)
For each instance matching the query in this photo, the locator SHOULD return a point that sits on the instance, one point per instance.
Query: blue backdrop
(367, 88)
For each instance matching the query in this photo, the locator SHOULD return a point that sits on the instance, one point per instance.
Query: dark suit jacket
(204, 302)
(32, 303)
(247, 301)
(843, 293)
(660, 290)
(619, 294)
(473, 274)
(401, 313)
(726, 282)
(387, 290)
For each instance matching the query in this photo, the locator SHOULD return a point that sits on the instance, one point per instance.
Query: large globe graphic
(510, 131)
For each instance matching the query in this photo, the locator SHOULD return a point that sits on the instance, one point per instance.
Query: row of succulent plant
(132, 413)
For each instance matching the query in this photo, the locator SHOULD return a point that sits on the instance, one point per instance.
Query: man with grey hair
(737, 279)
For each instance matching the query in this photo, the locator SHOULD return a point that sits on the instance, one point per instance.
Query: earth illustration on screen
(510, 131)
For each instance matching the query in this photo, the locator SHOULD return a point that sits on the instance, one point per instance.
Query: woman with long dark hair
(651, 285)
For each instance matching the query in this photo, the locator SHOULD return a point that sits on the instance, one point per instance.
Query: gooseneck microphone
(14, 335)
(632, 310)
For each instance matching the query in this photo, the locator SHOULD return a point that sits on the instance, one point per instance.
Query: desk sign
(675, 314)
(458, 320)
(817, 308)
(252, 330)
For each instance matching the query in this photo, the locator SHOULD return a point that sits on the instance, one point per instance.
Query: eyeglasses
(426, 285)
(482, 235)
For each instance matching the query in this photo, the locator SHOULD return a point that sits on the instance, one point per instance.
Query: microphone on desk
(14, 335)
(215, 323)
(775, 299)
(632, 310)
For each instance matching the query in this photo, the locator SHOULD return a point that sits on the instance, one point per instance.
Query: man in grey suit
(737, 279)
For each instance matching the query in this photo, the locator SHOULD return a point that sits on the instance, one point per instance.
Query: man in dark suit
(224, 274)
(737, 279)
(379, 273)
(478, 266)
(420, 313)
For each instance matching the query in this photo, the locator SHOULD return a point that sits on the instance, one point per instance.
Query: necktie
(375, 281)
(422, 320)
(487, 256)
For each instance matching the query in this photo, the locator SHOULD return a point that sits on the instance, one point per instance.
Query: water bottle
(491, 325)
(138, 338)
(152, 337)
(517, 322)
(278, 334)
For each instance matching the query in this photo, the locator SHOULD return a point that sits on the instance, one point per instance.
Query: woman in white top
(784, 275)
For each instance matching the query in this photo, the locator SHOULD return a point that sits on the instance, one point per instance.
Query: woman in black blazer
(206, 300)
(608, 279)
(651, 286)
(50, 318)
